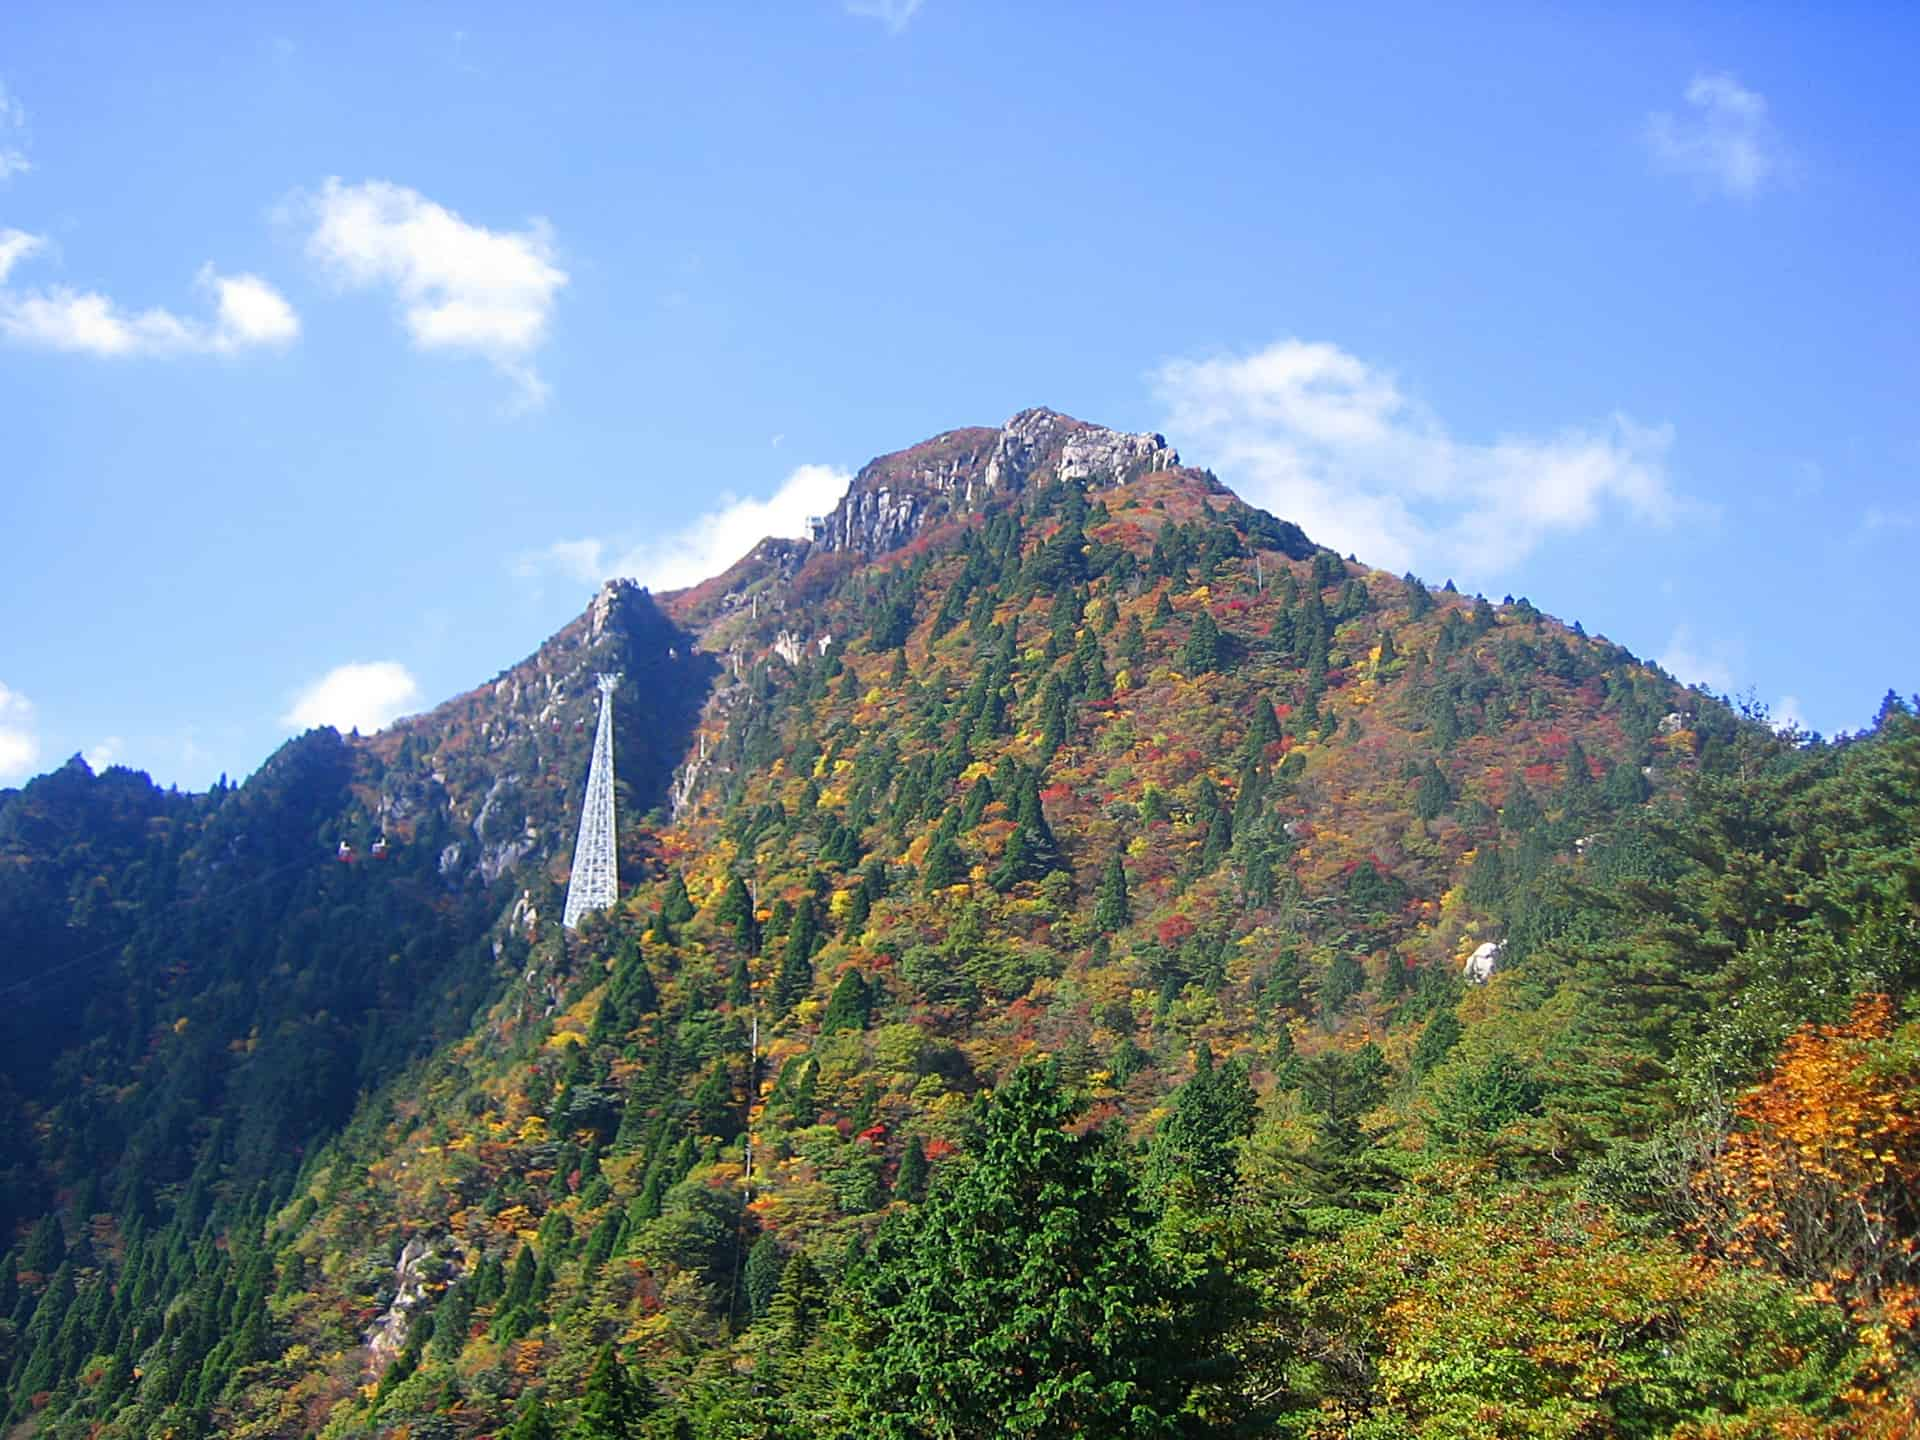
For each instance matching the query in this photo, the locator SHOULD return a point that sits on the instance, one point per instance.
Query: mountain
(1093, 962)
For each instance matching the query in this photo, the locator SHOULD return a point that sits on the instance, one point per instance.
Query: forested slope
(1046, 1010)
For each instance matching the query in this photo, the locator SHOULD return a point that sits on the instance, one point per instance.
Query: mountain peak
(895, 495)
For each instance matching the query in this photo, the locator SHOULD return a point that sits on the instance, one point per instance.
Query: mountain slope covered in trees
(1046, 1007)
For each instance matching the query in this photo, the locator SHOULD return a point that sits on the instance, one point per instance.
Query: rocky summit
(894, 496)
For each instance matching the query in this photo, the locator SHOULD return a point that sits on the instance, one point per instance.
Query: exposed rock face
(1076, 450)
(1483, 963)
(502, 767)
(388, 1335)
(605, 604)
(893, 497)
(870, 521)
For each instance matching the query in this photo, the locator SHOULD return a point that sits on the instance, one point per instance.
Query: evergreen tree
(678, 906)
(521, 1282)
(46, 1248)
(1624, 786)
(736, 909)
(1196, 1147)
(613, 1406)
(859, 910)
(1280, 991)
(631, 994)
(1486, 885)
(849, 1006)
(1344, 979)
(1340, 1088)
(1477, 1100)
(1419, 598)
(799, 1305)
(944, 864)
(1089, 669)
(796, 966)
(1023, 1297)
(910, 1182)
(762, 1279)
(1521, 813)
(1113, 911)
(533, 1422)
(1437, 1039)
(1054, 711)
(1202, 653)
(978, 799)
(1031, 852)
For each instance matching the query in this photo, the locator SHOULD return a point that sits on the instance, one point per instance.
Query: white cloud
(1789, 714)
(248, 313)
(705, 546)
(461, 286)
(13, 122)
(15, 246)
(251, 312)
(365, 697)
(1724, 140)
(1693, 662)
(894, 14)
(103, 754)
(1321, 438)
(19, 745)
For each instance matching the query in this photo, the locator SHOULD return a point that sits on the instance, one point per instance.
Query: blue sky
(340, 357)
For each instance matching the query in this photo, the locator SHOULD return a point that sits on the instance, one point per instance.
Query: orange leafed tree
(1821, 1181)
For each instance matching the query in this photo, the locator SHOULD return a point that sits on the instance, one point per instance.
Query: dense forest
(1103, 965)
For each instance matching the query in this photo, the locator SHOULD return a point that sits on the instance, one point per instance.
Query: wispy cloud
(1723, 140)
(460, 286)
(104, 753)
(1327, 440)
(1693, 661)
(13, 130)
(19, 743)
(1876, 521)
(248, 313)
(15, 246)
(894, 14)
(700, 549)
(366, 696)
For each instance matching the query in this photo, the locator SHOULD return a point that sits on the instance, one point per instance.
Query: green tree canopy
(1023, 1298)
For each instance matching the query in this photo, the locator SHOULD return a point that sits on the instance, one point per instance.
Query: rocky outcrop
(1484, 963)
(416, 1269)
(870, 521)
(494, 777)
(1036, 439)
(897, 495)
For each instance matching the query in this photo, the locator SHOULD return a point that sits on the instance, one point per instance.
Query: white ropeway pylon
(595, 882)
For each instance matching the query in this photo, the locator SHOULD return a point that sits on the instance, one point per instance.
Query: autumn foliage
(1821, 1182)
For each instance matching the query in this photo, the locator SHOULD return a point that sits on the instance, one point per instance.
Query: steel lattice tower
(595, 882)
